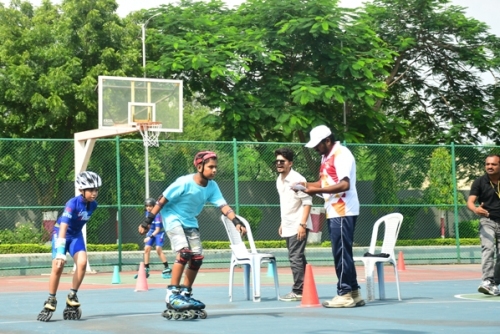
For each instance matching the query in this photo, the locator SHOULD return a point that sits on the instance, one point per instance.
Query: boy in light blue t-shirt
(179, 205)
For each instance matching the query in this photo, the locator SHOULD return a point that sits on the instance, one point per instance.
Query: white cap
(318, 134)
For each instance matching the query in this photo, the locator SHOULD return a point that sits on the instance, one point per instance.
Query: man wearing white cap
(337, 186)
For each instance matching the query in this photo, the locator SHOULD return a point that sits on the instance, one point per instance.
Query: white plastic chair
(392, 225)
(250, 260)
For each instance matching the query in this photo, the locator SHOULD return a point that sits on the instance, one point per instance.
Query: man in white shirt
(337, 186)
(295, 207)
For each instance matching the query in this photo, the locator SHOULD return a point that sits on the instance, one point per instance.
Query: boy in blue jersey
(155, 236)
(179, 206)
(67, 236)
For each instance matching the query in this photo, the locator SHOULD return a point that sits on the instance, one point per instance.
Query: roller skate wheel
(203, 314)
(167, 314)
(72, 313)
(177, 316)
(78, 313)
(44, 316)
(192, 314)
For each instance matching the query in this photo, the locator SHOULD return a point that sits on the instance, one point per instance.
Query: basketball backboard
(124, 102)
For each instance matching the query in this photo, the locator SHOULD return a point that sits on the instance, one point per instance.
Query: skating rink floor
(436, 299)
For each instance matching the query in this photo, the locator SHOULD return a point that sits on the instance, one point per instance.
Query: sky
(482, 10)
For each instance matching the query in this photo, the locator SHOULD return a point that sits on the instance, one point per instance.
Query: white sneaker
(489, 288)
(340, 301)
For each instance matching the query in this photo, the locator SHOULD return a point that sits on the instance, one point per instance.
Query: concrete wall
(37, 264)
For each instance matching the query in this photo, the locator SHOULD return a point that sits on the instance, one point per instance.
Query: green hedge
(35, 248)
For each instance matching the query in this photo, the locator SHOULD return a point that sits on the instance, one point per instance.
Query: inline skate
(147, 273)
(178, 306)
(72, 310)
(166, 273)
(48, 309)
(198, 306)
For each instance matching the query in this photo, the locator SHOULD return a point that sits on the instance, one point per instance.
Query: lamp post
(143, 28)
(146, 153)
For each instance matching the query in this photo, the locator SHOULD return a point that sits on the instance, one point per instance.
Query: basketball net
(149, 132)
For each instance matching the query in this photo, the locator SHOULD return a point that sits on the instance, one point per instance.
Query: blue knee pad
(196, 262)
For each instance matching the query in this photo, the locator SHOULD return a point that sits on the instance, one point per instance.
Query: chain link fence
(427, 184)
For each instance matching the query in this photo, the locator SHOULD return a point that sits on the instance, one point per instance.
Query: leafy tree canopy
(436, 82)
(273, 69)
(50, 58)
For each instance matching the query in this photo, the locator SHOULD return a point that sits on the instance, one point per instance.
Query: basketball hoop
(149, 132)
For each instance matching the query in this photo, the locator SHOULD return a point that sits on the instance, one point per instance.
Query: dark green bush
(23, 234)
(35, 248)
(468, 228)
(427, 242)
(24, 248)
(253, 215)
(409, 209)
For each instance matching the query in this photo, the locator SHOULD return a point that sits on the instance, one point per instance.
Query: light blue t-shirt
(186, 200)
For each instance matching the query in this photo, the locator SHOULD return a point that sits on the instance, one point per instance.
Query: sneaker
(340, 301)
(291, 297)
(488, 288)
(356, 296)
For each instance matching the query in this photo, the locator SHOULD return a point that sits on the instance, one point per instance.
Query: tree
(273, 69)
(436, 80)
(384, 185)
(50, 58)
(441, 188)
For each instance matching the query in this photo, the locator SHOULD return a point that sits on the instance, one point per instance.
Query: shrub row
(35, 248)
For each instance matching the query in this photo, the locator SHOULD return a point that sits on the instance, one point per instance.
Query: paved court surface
(436, 299)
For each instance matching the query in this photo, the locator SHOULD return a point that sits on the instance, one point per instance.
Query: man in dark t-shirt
(485, 191)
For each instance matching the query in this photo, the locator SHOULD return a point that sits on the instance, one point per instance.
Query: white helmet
(88, 180)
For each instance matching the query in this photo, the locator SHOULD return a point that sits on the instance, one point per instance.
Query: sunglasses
(279, 162)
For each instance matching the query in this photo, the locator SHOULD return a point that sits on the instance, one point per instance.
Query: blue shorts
(159, 239)
(74, 244)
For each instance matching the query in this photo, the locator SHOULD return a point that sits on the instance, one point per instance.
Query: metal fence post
(118, 201)
(455, 198)
(235, 165)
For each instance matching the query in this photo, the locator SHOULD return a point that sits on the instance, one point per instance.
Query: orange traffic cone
(401, 262)
(142, 282)
(309, 293)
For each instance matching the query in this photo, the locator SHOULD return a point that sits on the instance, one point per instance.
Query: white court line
(489, 300)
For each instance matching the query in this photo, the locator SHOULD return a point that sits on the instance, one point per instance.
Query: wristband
(60, 246)
(303, 225)
(236, 221)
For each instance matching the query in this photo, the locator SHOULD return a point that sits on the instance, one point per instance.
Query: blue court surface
(428, 306)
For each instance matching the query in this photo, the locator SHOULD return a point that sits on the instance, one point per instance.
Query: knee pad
(196, 262)
(185, 255)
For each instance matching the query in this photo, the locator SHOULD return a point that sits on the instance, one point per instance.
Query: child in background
(155, 236)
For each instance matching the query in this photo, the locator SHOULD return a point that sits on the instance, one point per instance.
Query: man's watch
(304, 226)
